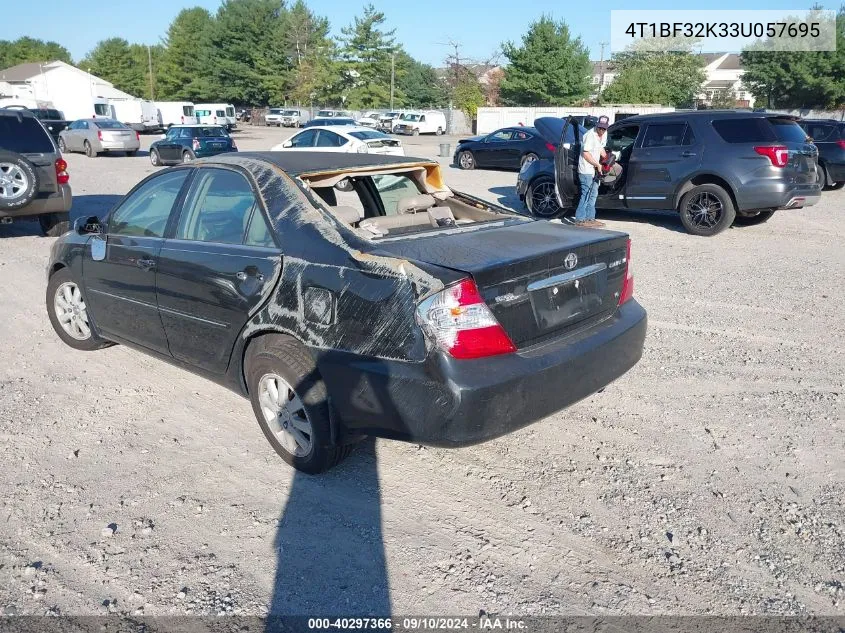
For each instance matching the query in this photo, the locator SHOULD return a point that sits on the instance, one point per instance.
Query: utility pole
(392, 76)
(601, 67)
(150, 60)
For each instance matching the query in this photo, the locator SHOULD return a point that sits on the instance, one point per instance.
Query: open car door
(565, 134)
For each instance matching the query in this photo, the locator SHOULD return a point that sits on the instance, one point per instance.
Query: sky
(424, 28)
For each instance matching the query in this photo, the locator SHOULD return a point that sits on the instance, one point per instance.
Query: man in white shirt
(589, 168)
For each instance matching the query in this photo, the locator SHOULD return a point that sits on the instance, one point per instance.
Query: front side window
(230, 111)
(392, 188)
(217, 208)
(622, 138)
(664, 134)
(303, 139)
(502, 135)
(145, 212)
(172, 133)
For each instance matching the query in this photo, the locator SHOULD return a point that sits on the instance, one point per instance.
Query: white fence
(490, 119)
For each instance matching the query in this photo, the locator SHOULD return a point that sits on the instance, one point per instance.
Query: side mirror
(287, 144)
(88, 226)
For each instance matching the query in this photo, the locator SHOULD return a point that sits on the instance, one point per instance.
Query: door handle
(146, 264)
(687, 154)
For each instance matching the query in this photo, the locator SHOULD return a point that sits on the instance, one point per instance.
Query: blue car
(330, 121)
(184, 143)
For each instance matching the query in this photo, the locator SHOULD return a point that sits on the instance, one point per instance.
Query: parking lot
(708, 480)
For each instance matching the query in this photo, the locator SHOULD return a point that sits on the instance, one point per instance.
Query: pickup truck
(52, 119)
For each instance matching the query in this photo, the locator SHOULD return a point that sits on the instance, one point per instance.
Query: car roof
(295, 163)
(709, 114)
(23, 112)
(197, 125)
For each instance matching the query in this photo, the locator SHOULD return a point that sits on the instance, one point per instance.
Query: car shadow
(84, 206)
(507, 197)
(669, 220)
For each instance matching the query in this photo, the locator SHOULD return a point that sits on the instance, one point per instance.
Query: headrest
(350, 215)
(412, 204)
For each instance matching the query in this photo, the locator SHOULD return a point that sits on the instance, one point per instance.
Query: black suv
(713, 167)
(33, 174)
(829, 136)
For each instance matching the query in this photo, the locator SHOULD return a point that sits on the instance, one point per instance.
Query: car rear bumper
(120, 146)
(770, 194)
(57, 202)
(449, 402)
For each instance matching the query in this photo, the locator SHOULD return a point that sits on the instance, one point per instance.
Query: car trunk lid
(116, 136)
(540, 279)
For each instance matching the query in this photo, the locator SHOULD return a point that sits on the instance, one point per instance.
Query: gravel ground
(708, 480)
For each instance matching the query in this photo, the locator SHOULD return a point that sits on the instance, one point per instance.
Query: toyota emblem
(570, 261)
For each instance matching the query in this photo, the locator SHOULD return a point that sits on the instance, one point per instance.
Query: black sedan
(330, 121)
(508, 148)
(829, 136)
(184, 143)
(412, 312)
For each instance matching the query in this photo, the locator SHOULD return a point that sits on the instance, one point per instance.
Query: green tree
(27, 49)
(670, 78)
(418, 83)
(115, 61)
(185, 70)
(365, 54)
(549, 68)
(724, 99)
(467, 95)
(803, 79)
(308, 51)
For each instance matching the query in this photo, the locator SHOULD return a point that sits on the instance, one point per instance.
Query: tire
(155, 159)
(18, 181)
(132, 153)
(62, 146)
(541, 199)
(54, 224)
(466, 160)
(416, 133)
(187, 156)
(439, 132)
(89, 151)
(60, 282)
(706, 210)
(530, 157)
(836, 186)
(282, 363)
(750, 220)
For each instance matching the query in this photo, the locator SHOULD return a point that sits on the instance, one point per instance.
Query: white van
(139, 114)
(216, 114)
(83, 106)
(427, 122)
(176, 113)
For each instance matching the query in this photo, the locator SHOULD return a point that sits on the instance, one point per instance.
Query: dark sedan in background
(339, 120)
(508, 148)
(829, 136)
(184, 143)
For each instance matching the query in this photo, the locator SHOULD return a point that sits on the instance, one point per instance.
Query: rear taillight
(778, 154)
(232, 141)
(62, 177)
(196, 144)
(459, 321)
(628, 283)
(100, 135)
(550, 147)
(841, 144)
(138, 136)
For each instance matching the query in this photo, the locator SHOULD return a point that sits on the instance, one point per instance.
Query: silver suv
(33, 174)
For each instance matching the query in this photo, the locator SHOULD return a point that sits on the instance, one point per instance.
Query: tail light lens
(62, 177)
(778, 154)
(138, 136)
(460, 323)
(234, 145)
(841, 144)
(100, 134)
(196, 144)
(550, 147)
(628, 284)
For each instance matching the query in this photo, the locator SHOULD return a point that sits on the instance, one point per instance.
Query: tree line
(267, 52)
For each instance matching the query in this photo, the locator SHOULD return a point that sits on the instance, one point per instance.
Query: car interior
(620, 142)
(394, 203)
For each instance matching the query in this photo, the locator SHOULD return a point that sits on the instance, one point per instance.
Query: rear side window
(788, 131)
(820, 131)
(217, 209)
(188, 110)
(24, 136)
(221, 113)
(329, 139)
(751, 130)
(101, 109)
(664, 134)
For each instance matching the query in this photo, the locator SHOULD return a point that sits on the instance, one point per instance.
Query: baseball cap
(603, 122)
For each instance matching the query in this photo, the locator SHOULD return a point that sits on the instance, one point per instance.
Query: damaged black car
(394, 307)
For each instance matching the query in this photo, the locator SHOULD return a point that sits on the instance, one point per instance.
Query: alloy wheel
(13, 181)
(704, 210)
(466, 160)
(71, 311)
(544, 199)
(285, 415)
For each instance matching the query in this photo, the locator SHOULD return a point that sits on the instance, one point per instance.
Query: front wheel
(291, 404)
(89, 150)
(541, 199)
(62, 146)
(706, 210)
(155, 159)
(187, 156)
(68, 312)
(439, 131)
(416, 132)
(466, 160)
(750, 220)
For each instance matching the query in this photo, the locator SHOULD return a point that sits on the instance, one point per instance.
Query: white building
(65, 87)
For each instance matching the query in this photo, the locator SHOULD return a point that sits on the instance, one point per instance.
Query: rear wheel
(62, 146)
(707, 210)
(541, 199)
(155, 159)
(416, 132)
(827, 182)
(54, 224)
(750, 220)
(68, 313)
(89, 151)
(439, 131)
(466, 160)
(291, 404)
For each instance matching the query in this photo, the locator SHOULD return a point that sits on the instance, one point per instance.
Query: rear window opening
(398, 203)
(110, 125)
